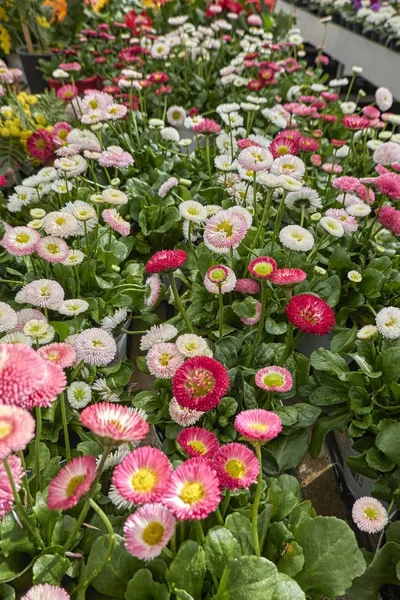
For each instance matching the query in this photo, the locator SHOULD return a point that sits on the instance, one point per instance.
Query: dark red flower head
(310, 314)
(200, 383)
(166, 260)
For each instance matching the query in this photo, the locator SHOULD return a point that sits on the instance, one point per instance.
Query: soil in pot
(30, 64)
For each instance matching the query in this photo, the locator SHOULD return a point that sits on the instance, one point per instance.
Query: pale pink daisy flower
(258, 425)
(95, 346)
(8, 317)
(116, 222)
(114, 156)
(332, 168)
(369, 515)
(247, 286)
(60, 132)
(27, 314)
(255, 158)
(20, 241)
(153, 289)
(384, 98)
(197, 441)
(345, 184)
(236, 465)
(148, 531)
(348, 222)
(182, 415)
(157, 334)
(17, 429)
(91, 117)
(60, 353)
(142, 476)
(288, 165)
(45, 293)
(52, 249)
(220, 278)
(224, 231)
(71, 483)
(46, 591)
(387, 154)
(6, 492)
(167, 186)
(253, 320)
(242, 212)
(115, 111)
(274, 379)
(115, 424)
(164, 359)
(193, 491)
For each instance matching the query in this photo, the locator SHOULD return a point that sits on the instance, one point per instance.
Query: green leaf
(322, 427)
(325, 360)
(382, 570)
(182, 595)
(50, 568)
(284, 494)
(388, 438)
(220, 548)
(393, 532)
(142, 587)
(62, 529)
(340, 259)
(275, 328)
(6, 592)
(188, 569)
(331, 556)
(12, 566)
(61, 328)
(327, 396)
(372, 282)
(287, 589)
(240, 527)
(292, 559)
(245, 309)
(329, 290)
(46, 517)
(248, 578)
(343, 342)
(14, 538)
(289, 450)
(389, 361)
(115, 575)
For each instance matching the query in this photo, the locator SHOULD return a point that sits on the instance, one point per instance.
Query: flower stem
(225, 503)
(208, 158)
(288, 343)
(221, 311)
(38, 415)
(65, 427)
(179, 302)
(200, 532)
(278, 221)
(257, 498)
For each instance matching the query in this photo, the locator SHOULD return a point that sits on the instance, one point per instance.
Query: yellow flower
(42, 22)
(5, 40)
(99, 4)
(7, 112)
(40, 119)
(3, 14)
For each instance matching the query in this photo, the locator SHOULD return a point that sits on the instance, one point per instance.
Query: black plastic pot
(30, 63)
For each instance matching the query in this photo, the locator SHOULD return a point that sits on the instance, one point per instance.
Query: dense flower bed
(219, 180)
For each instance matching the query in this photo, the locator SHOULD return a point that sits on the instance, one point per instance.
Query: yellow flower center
(283, 150)
(273, 380)
(93, 104)
(22, 238)
(289, 167)
(60, 220)
(263, 268)
(73, 484)
(53, 248)
(193, 211)
(198, 446)
(164, 359)
(153, 533)
(192, 492)
(97, 344)
(235, 468)
(5, 429)
(144, 480)
(370, 513)
(200, 382)
(225, 227)
(258, 427)
(218, 275)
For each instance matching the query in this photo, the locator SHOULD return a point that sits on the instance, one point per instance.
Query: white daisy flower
(8, 317)
(296, 238)
(16, 337)
(74, 257)
(79, 394)
(332, 226)
(190, 344)
(176, 116)
(354, 276)
(157, 334)
(193, 211)
(306, 197)
(60, 223)
(224, 162)
(288, 165)
(388, 322)
(111, 322)
(113, 196)
(71, 308)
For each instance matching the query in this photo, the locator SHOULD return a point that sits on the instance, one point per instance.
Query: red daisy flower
(262, 267)
(389, 217)
(282, 145)
(200, 383)
(287, 276)
(311, 314)
(166, 260)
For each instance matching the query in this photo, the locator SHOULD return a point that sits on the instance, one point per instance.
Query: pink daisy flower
(71, 483)
(255, 158)
(253, 320)
(60, 132)
(236, 465)
(73, 67)
(60, 353)
(153, 290)
(164, 359)
(183, 416)
(282, 145)
(200, 383)
(166, 260)
(6, 493)
(52, 249)
(207, 127)
(46, 591)
(258, 425)
(311, 314)
(67, 92)
(197, 441)
(115, 424)
(262, 267)
(148, 531)
(193, 492)
(389, 185)
(348, 222)
(346, 184)
(114, 156)
(142, 476)
(20, 241)
(389, 217)
(95, 346)
(274, 379)
(332, 168)
(355, 122)
(287, 277)
(116, 222)
(225, 230)
(218, 278)
(247, 286)
(17, 429)
(369, 515)
(52, 383)
(40, 145)
(307, 144)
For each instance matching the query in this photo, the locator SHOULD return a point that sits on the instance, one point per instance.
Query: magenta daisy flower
(197, 441)
(148, 531)
(52, 383)
(52, 249)
(369, 515)
(389, 217)
(116, 222)
(346, 183)
(287, 277)
(60, 353)
(311, 314)
(115, 424)
(200, 383)
(71, 483)
(262, 267)
(236, 465)
(60, 132)
(253, 320)
(166, 260)
(274, 379)
(258, 425)
(20, 241)
(225, 230)
(355, 122)
(193, 492)
(164, 359)
(183, 416)
(142, 476)
(46, 591)
(247, 286)
(17, 429)
(40, 145)
(219, 278)
(6, 493)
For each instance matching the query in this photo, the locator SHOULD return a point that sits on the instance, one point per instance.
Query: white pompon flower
(369, 515)
(8, 317)
(111, 322)
(95, 347)
(176, 116)
(296, 238)
(73, 307)
(190, 344)
(288, 165)
(164, 359)
(158, 334)
(167, 186)
(193, 211)
(183, 416)
(354, 276)
(60, 223)
(74, 257)
(388, 322)
(79, 394)
(170, 134)
(45, 293)
(368, 332)
(16, 337)
(332, 226)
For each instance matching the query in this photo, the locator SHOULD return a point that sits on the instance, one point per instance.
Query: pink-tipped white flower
(17, 429)
(52, 249)
(46, 591)
(59, 223)
(157, 334)
(384, 98)
(258, 425)
(288, 165)
(182, 415)
(164, 359)
(274, 379)
(369, 515)
(8, 317)
(219, 278)
(95, 346)
(142, 475)
(148, 531)
(348, 222)
(115, 424)
(71, 483)
(60, 353)
(193, 491)
(20, 241)
(45, 293)
(116, 222)
(255, 158)
(236, 465)
(225, 230)
(167, 186)
(153, 289)
(197, 441)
